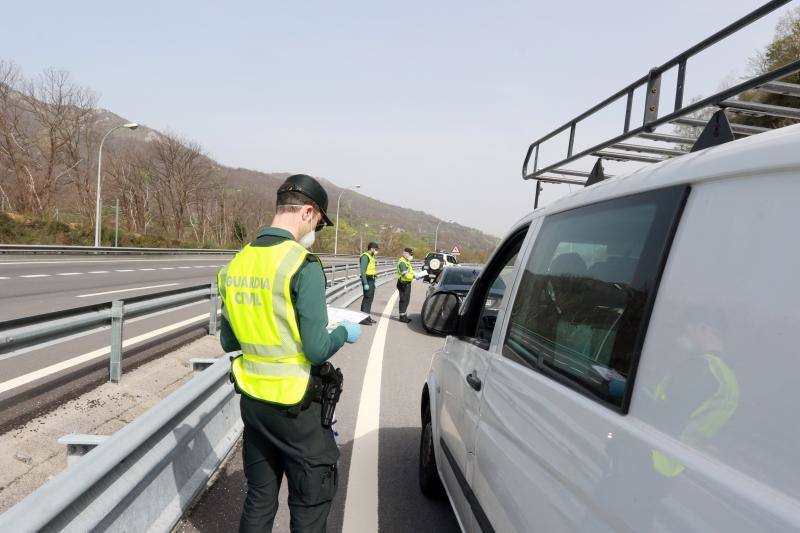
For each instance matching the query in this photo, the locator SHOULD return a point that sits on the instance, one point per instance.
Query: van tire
(429, 482)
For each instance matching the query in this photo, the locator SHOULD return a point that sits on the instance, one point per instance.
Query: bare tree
(61, 110)
(13, 139)
(182, 177)
(131, 179)
(41, 126)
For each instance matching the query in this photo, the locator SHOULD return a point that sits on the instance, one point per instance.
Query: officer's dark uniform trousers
(404, 288)
(275, 444)
(369, 295)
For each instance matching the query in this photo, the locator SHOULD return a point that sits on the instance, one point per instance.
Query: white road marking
(107, 261)
(167, 268)
(125, 290)
(147, 269)
(126, 270)
(63, 365)
(69, 274)
(99, 272)
(3, 277)
(36, 276)
(182, 268)
(361, 501)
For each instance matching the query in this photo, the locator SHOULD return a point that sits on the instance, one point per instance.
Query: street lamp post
(336, 232)
(130, 126)
(436, 238)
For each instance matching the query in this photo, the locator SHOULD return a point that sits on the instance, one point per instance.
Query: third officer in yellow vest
(405, 275)
(274, 311)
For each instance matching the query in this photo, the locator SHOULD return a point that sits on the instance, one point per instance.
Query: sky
(426, 104)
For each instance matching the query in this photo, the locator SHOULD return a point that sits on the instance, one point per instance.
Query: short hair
(287, 202)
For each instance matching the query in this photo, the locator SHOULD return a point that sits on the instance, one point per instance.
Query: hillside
(168, 189)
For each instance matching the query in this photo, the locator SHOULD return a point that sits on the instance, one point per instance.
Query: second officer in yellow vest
(368, 271)
(274, 311)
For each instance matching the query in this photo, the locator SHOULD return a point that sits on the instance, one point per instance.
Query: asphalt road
(389, 501)
(35, 285)
(32, 285)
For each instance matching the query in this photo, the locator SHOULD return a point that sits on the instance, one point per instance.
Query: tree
(784, 48)
(182, 176)
(42, 122)
(131, 180)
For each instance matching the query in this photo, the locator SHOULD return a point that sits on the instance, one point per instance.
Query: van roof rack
(716, 131)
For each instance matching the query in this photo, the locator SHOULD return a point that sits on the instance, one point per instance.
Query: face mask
(307, 240)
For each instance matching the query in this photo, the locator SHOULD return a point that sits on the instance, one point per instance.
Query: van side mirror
(440, 313)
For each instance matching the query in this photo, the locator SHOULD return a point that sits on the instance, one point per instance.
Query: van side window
(582, 307)
(486, 297)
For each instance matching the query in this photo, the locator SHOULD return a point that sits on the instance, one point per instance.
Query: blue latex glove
(366, 287)
(353, 331)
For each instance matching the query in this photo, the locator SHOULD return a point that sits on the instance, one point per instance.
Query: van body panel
(710, 441)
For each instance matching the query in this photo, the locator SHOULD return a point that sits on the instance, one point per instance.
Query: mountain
(168, 189)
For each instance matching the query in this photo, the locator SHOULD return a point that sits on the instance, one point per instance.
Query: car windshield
(460, 276)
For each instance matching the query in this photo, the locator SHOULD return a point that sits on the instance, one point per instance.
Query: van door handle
(473, 380)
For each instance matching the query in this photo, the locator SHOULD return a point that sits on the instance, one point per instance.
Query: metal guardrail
(16, 336)
(144, 476)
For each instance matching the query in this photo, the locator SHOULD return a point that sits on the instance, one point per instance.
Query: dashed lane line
(361, 502)
(98, 272)
(69, 274)
(126, 270)
(3, 277)
(36, 276)
(143, 269)
(63, 365)
(126, 290)
(167, 268)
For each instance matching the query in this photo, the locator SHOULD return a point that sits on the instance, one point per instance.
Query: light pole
(436, 238)
(130, 126)
(336, 233)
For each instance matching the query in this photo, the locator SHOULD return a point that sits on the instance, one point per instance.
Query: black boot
(405, 319)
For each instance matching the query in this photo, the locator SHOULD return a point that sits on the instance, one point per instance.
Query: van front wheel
(429, 481)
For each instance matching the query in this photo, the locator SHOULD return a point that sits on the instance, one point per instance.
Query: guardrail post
(347, 271)
(212, 319)
(333, 274)
(117, 318)
(79, 445)
(200, 363)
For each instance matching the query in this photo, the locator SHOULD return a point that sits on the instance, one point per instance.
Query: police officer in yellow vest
(405, 275)
(367, 268)
(274, 311)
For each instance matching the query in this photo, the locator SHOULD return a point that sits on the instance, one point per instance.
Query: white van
(629, 358)
(642, 370)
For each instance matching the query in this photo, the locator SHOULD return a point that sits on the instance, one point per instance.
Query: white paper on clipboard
(337, 315)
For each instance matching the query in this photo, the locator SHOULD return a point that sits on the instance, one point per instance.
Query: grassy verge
(21, 229)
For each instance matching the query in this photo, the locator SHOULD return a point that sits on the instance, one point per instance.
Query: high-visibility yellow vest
(370, 271)
(409, 273)
(709, 417)
(256, 291)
